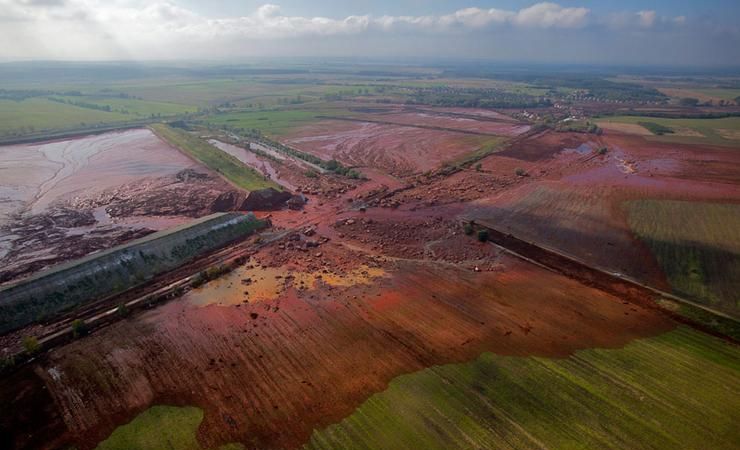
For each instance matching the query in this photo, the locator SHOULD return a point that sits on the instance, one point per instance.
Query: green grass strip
(219, 161)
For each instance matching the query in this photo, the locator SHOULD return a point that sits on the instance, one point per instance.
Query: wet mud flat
(396, 149)
(65, 199)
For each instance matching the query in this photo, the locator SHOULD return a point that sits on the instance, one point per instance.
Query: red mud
(572, 200)
(77, 196)
(397, 150)
(268, 373)
(497, 125)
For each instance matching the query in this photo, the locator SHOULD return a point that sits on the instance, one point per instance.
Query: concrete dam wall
(76, 283)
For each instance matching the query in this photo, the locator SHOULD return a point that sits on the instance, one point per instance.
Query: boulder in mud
(227, 201)
(297, 201)
(265, 200)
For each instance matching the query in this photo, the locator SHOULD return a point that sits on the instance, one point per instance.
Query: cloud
(269, 22)
(548, 15)
(646, 19)
(89, 29)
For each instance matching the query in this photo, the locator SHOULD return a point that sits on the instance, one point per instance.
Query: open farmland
(271, 123)
(701, 257)
(37, 114)
(128, 106)
(592, 399)
(267, 91)
(724, 132)
(704, 94)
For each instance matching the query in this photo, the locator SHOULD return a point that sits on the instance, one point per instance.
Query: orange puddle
(250, 284)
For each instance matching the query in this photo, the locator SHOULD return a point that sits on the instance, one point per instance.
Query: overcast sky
(683, 32)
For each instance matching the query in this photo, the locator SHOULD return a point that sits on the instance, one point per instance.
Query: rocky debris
(316, 256)
(297, 201)
(309, 231)
(190, 196)
(53, 246)
(265, 200)
(71, 229)
(328, 186)
(60, 217)
(461, 187)
(228, 201)
(430, 238)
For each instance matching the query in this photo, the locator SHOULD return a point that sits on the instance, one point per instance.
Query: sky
(659, 32)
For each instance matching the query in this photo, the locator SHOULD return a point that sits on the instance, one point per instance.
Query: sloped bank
(79, 282)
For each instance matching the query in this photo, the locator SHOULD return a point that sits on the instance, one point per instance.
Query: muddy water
(250, 284)
(34, 176)
(252, 160)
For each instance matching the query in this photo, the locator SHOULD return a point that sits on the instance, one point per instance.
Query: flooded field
(54, 171)
(63, 199)
(396, 149)
(250, 284)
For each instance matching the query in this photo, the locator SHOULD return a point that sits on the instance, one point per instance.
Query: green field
(271, 123)
(40, 114)
(696, 244)
(228, 166)
(161, 427)
(133, 107)
(726, 94)
(677, 390)
(724, 131)
(216, 91)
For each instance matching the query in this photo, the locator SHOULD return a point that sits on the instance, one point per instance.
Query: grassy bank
(678, 390)
(219, 161)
